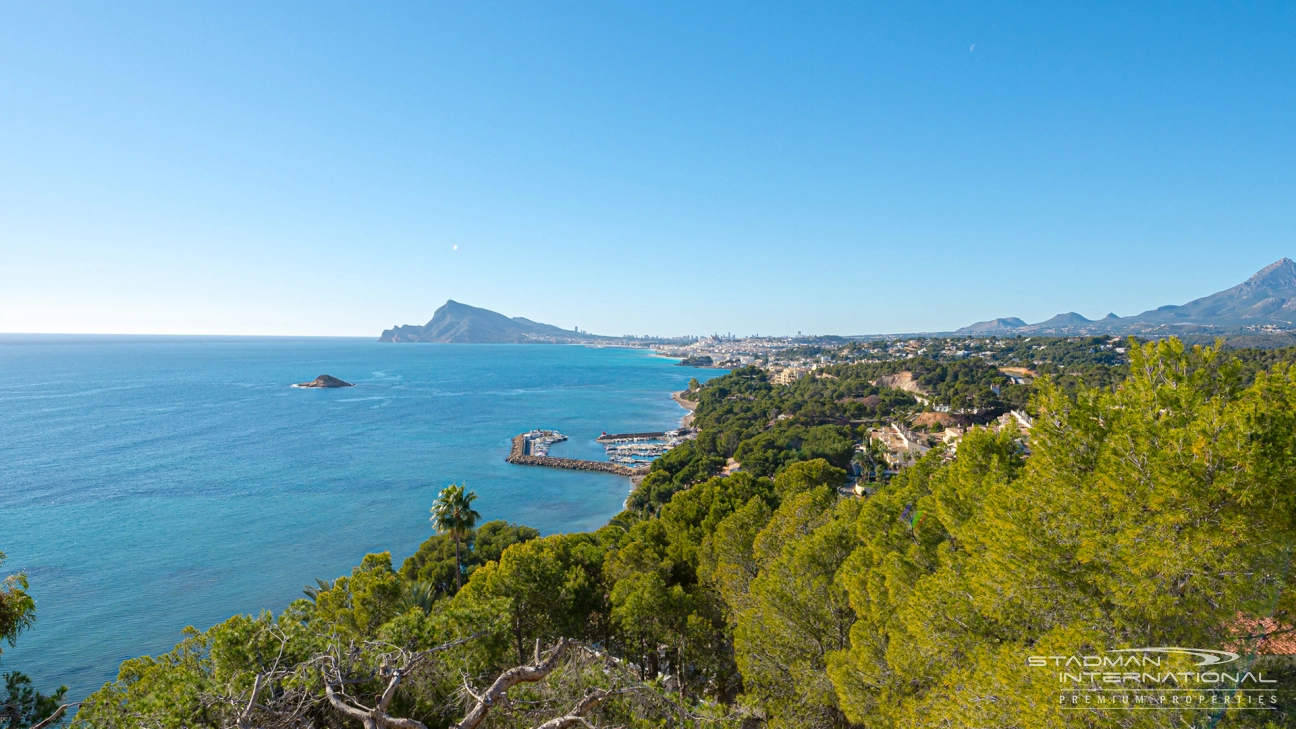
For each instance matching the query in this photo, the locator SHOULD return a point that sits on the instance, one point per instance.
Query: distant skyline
(664, 169)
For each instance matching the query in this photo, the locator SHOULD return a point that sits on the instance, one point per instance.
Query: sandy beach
(688, 405)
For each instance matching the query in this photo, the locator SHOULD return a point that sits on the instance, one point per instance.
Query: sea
(153, 483)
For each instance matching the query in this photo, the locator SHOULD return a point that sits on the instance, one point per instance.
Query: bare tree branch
(566, 722)
(387, 696)
(245, 718)
(58, 713)
(576, 717)
(519, 674)
(377, 717)
(362, 714)
(394, 666)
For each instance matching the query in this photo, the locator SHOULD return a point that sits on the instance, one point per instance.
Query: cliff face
(463, 324)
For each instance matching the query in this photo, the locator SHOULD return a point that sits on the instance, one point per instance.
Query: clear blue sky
(632, 167)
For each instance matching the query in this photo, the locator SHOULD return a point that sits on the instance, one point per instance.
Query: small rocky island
(325, 381)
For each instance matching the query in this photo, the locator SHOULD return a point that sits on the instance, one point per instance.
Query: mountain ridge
(1264, 302)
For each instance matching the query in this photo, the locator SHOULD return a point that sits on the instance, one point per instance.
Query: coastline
(688, 405)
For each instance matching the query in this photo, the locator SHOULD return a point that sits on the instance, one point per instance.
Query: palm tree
(419, 594)
(314, 592)
(452, 514)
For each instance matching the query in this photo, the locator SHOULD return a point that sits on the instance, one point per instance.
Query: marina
(626, 437)
(629, 454)
(527, 447)
(633, 449)
(537, 442)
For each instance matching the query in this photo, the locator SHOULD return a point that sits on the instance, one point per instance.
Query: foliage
(434, 562)
(358, 604)
(1251, 362)
(774, 450)
(17, 608)
(796, 613)
(552, 588)
(1153, 515)
(22, 706)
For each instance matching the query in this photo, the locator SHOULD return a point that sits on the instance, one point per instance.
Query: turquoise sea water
(153, 483)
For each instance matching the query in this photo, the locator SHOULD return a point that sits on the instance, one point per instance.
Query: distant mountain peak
(1069, 319)
(1280, 273)
(993, 326)
(464, 324)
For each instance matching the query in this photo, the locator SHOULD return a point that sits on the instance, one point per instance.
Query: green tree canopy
(21, 705)
(1157, 514)
(434, 563)
(17, 608)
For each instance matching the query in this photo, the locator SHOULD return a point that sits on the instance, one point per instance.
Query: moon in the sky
(454, 248)
(973, 48)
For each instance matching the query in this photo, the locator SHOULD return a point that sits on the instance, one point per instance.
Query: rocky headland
(462, 324)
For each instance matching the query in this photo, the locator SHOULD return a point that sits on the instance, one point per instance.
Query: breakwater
(518, 454)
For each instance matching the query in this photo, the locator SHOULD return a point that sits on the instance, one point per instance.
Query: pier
(521, 454)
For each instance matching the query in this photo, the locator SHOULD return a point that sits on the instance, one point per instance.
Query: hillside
(1267, 298)
(462, 324)
(994, 326)
(1265, 303)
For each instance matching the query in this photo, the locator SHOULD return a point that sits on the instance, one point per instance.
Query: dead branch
(394, 666)
(244, 720)
(377, 716)
(498, 691)
(262, 680)
(576, 717)
(58, 713)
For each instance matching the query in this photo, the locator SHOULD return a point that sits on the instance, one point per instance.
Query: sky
(630, 167)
